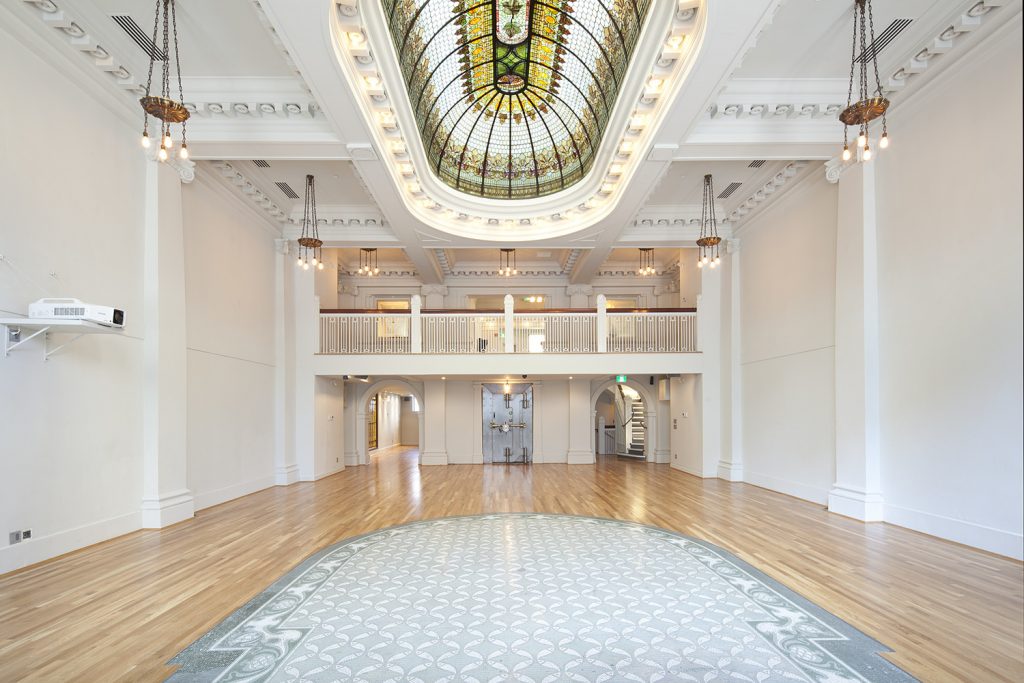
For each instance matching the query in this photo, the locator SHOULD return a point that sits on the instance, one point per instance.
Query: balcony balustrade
(552, 331)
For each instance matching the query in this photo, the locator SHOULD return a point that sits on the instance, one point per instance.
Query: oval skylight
(512, 97)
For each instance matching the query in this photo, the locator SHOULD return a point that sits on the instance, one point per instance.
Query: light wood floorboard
(119, 610)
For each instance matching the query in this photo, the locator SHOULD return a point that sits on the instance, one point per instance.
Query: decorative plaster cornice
(579, 290)
(78, 37)
(250, 191)
(442, 260)
(384, 272)
(570, 260)
(974, 14)
(778, 181)
(428, 290)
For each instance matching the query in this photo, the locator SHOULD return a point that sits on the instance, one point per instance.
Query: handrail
(486, 311)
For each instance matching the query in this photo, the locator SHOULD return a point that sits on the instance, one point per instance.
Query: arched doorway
(624, 415)
(388, 413)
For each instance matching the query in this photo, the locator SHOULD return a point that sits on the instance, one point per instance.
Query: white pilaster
(602, 323)
(510, 329)
(580, 423)
(730, 467)
(434, 450)
(858, 488)
(166, 498)
(663, 449)
(306, 312)
(416, 324)
(285, 470)
(709, 333)
(478, 423)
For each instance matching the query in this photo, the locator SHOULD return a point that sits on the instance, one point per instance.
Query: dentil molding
(777, 182)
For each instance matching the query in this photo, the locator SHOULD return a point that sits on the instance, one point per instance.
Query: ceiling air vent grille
(883, 39)
(261, 163)
(135, 32)
(287, 189)
(727, 192)
(756, 164)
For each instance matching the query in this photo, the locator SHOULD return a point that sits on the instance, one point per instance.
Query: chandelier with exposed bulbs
(707, 254)
(159, 103)
(507, 262)
(870, 104)
(310, 244)
(368, 262)
(647, 262)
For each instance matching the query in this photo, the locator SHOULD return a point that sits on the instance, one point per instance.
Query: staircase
(637, 431)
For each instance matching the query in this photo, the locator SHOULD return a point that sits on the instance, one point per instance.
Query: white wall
(787, 322)
(389, 420)
(329, 405)
(70, 428)
(229, 288)
(409, 425)
(949, 223)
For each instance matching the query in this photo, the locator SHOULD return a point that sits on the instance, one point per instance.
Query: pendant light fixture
(870, 103)
(159, 103)
(709, 240)
(507, 262)
(647, 262)
(368, 262)
(310, 252)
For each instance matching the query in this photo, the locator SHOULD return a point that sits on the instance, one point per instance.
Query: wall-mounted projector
(73, 309)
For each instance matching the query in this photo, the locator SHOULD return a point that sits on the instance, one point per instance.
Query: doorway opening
(392, 419)
(372, 423)
(621, 423)
(508, 423)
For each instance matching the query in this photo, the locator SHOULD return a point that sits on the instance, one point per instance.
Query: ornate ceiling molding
(250, 191)
(974, 14)
(777, 182)
(77, 36)
(362, 47)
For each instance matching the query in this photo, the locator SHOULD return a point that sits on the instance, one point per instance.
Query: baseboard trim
(47, 547)
(351, 459)
(222, 495)
(987, 538)
(434, 458)
(285, 475)
(867, 507)
(169, 508)
(730, 471)
(790, 488)
(579, 458)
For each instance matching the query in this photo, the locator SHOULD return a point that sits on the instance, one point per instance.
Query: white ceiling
(336, 182)
(218, 38)
(683, 183)
(813, 38)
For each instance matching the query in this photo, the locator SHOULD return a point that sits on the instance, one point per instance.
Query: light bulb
(515, 272)
(145, 140)
(168, 142)
(162, 154)
(862, 140)
(298, 261)
(884, 142)
(314, 260)
(184, 151)
(700, 264)
(867, 154)
(305, 266)
(718, 259)
(705, 259)
(376, 271)
(321, 266)
(711, 265)
(846, 153)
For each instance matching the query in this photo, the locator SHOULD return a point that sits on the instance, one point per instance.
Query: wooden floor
(119, 610)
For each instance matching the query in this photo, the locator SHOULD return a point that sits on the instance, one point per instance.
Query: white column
(858, 489)
(285, 470)
(602, 323)
(510, 336)
(651, 440)
(306, 319)
(166, 498)
(709, 334)
(352, 392)
(663, 448)
(434, 450)
(478, 424)
(416, 324)
(581, 422)
(730, 467)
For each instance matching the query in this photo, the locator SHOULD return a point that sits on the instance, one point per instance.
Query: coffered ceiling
(748, 90)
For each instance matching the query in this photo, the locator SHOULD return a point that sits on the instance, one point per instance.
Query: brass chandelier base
(165, 109)
(862, 112)
(310, 242)
(710, 241)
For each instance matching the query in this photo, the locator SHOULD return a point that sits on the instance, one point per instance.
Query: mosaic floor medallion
(527, 597)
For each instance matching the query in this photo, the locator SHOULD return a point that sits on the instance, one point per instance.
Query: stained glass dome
(512, 97)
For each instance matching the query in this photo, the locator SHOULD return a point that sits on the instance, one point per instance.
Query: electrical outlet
(26, 534)
(15, 537)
